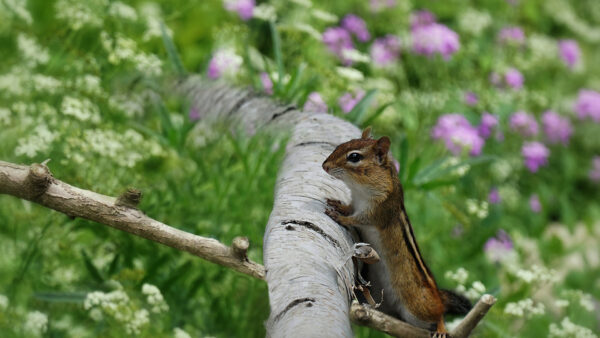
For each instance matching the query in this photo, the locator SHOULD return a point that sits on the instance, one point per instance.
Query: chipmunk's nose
(326, 166)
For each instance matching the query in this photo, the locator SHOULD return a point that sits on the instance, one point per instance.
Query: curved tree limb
(35, 183)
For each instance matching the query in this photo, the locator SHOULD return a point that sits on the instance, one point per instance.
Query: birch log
(307, 256)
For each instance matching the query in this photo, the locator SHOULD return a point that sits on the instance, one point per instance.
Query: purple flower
(315, 103)
(244, 8)
(494, 196)
(569, 52)
(588, 105)
(266, 82)
(497, 248)
(378, 5)
(194, 113)
(535, 155)
(471, 98)
(338, 40)
(511, 35)
(557, 128)
(435, 38)
(595, 171)
(458, 134)
(488, 122)
(348, 101)
(534, 203)
(523, 123)
(355, 25)
(514, 78)
(224, 62)
(421, 18)
(385, 50)
(396, 165)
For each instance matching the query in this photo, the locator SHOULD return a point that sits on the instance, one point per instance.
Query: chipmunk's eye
(354, 157)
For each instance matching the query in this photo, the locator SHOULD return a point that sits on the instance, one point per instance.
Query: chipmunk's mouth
(335, 172)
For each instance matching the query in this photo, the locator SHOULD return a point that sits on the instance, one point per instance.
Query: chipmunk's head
(363, 163)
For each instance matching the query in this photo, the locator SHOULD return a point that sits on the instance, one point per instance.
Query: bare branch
(473, 317)
(35, 183)
(367, 316)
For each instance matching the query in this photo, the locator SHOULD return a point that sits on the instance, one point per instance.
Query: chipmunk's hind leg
(440, 331)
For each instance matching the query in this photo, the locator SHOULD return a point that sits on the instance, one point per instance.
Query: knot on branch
(130, 198)
(38, 179)
(240, 246)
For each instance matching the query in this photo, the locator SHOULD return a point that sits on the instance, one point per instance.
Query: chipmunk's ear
(366, 134)
(382, 147)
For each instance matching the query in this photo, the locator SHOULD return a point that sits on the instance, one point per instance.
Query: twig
(35, 183)
(367, 316)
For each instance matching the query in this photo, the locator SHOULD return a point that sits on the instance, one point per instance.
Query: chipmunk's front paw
(440, 335)
(341, 208)
(334, 215)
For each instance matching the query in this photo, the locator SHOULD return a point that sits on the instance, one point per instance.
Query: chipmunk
(377, 210)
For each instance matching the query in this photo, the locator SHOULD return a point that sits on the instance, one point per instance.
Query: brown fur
(411, 279)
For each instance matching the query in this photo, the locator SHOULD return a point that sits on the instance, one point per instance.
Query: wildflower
(36, 323)
(435, 38)
(473, 21)
(82, 109)
(39, 141)
(379, 5)
(535, 155)
(315, 103)
(557, 128)
(33, 54)
(460, 276)
(267, 12)
(494, 196)
(497, 248)
(534, 203)
(337, 40)
(348, 101)
(511, 36)
(244, 8)
(266, 82)
(78, 14)
(594, 173)
(524, 307)
(588, 105)
(154, 298)
(324, 16)
(385, 50)
(470, 98)
(355, 25)
(421, 18)
(180, 333)
(488, 122)
(569, 329)
(3, 302)
(350, 73)
(458, 134)
(224, 62)
(477, 208)
(569, 52)
(120, 10)
(514, 78)
(524, 123)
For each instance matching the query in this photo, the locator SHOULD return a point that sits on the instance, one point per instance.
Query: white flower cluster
(33, 54)
(14, 82)
(131, 105)
(122, 49)
(36, 323)
(5, 116)
(265, 12)
(38, 141)
(477, 208)
(116, 304)
(16, 8)
(569, 329)
(89, 84)
(154, 298)
(460, 276)
(524, 307)
(152, 14)
(537, 274)
(180, 333)
(78, 14)
(3, 302)
(120, 10)
(585, 299)
(473, 21)
(82, 109)
(476, 290)
(45, 84)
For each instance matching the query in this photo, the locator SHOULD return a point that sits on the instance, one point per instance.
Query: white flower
(5, 116)
(120, 10)
(569, 329)
(264, 12)
(180, 333)
(89, 84)
(82, 109)
(524, 307)
(78, 14)
(151, 12)
(154, 298)
(38, 141)
(18, 7)
(140, 319)
(560, 303)
(33, 54)
(355, 55)
(3, 302)
(305, 3)
(131, 105)
(324, 16)
(473, 21)
(350, 73)
(460, 276)
(46, 84)
(478, 208)
(36, 323)
(148, 63)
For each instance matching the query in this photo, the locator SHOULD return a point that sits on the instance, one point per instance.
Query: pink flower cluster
(348, 100)
(339, 39)
(357, 26)
(524, 124)
(458, 134)
(379, 5)
(434, 38)
(595, 171)
(569, 52)
(558, 129)
(535, 155)
(511, 36)
(385, 50)
(588, 105)
(244, 8)
(315, 103)
(496, 248)
(488, 122)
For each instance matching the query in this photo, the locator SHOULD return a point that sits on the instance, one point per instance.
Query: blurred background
(493, 108)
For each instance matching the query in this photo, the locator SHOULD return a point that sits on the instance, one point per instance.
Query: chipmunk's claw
(440, 335)
(333, 214)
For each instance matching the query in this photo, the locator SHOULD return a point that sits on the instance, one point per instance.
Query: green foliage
(88, 85)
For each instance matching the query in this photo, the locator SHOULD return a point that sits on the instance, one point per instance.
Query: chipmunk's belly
(379, 276)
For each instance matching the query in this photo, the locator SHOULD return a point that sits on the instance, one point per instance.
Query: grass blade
(172, 51)
(277, 53)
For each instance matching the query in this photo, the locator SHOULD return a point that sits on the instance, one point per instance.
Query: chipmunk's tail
(455, 304)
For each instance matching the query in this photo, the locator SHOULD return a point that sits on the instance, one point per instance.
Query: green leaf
(91, 268)
(172, 51)
(294, 83)
(375, 115)
(61, 297)
(360, 109)
(277, 53)
(403, 157)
